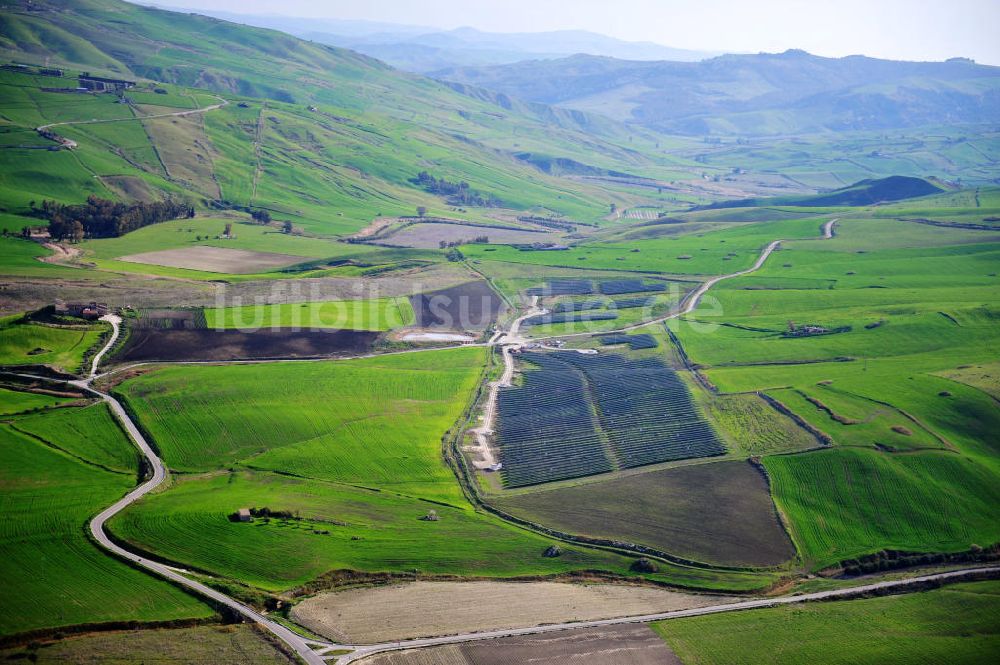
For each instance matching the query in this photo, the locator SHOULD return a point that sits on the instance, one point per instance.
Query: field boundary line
(885, 587)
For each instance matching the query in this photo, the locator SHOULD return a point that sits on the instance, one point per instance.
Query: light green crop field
(54, 575)
(15, 401)
(379, 314)
(711, 253)
(31, 344)
(376, 422)
(90, 434)
(955, 624)
(843, 503)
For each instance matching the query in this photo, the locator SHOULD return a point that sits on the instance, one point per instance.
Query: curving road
(300, 645)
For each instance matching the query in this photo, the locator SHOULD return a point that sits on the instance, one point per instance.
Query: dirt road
(507, 341)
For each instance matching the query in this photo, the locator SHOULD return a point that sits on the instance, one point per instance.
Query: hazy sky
(898, 29)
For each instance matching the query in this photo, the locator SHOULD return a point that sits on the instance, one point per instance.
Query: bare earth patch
(614, 645)
(215, 259)
(428, 235)
(428, 609)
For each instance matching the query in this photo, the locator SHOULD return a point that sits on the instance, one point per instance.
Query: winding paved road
(299, 644)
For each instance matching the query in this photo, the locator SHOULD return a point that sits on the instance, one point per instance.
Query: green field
(843, 503)
(55, 576)
(955, 624)
(32, 344)
(381, 314)
(15, 401)
(372, 422)
(96, 437)
(714, 252)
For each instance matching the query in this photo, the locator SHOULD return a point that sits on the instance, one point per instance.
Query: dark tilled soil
(471, 306)
(181, 344)
(719, 513)
(614, 645)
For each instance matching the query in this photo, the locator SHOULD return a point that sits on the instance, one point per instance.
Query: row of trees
(456, 193)
(100, 218)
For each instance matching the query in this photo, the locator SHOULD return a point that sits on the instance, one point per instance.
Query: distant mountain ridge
(423, 49)
(761, 94)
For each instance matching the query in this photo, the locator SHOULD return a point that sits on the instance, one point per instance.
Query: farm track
(174, 114)
(95, 121)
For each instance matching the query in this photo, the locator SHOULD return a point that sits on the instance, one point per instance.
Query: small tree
(286, 227)
(421, 211)
(76, 231)
(614, 208)
(228, 233)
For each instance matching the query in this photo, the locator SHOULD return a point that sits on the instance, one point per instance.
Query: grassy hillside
(23, 343)
(323, 136)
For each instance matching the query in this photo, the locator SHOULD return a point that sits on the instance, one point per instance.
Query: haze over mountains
(424, 49)
(673, 90)
(791, 92)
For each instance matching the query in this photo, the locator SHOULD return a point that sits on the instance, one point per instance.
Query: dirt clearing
(427, 609)
(430, 235)
(215, 259)
(614, 645)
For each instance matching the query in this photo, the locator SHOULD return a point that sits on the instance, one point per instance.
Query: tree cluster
(478, 240)
(100, 218)
(456, 193)
(260, 216)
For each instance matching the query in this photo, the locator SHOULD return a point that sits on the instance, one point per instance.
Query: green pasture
(16, 401)
(375, 422)
(89, 434)
(710, 253)
(54, 575)
(954, 624)
(846, 502)
(32, 344)
(377, 314)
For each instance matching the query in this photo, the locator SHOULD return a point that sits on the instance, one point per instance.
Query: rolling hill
(326, 136)
(862, 193)
(790, 92)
